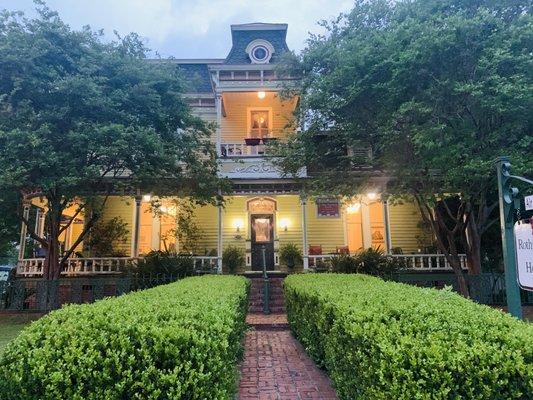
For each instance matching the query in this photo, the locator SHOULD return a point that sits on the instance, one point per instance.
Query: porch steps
(276, 299)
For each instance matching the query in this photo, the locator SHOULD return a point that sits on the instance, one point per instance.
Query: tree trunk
(52, 269)
(473, 246)
(455, 263)
(446, 239)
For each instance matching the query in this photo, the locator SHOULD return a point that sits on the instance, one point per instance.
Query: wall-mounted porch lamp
(284, 224)
(261, 95)
(238, 224)
(353, 208)
(147, 198)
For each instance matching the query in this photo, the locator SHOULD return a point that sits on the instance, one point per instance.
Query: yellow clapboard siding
(206, 217)
(327, 232)
(234, 126)
(208, 115)
(123, 207)
(289, 209)
(235, 211)
(404, 222)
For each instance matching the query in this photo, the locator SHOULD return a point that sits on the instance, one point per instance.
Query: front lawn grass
(11, 325)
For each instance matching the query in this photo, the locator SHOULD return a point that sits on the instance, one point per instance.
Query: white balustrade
(428, 262)
(241, 149)
(115, 265)
(99, 265)
(78, 266)
(317, 259)
(205, 262)
(413, 262)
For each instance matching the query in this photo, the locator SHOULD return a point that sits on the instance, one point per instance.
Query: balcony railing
(247, 148)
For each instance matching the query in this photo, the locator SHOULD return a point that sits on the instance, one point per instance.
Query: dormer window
(260, 51)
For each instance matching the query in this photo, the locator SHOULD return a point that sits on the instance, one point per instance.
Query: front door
(262, 229)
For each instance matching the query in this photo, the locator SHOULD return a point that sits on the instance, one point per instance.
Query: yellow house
(241, 94)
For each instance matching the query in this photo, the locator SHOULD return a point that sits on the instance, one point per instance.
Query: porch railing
(99, 265)
(204, 263)
(428, 262)
(413, 262)
(77, 266)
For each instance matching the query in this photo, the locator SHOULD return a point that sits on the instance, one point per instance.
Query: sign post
(506, 195)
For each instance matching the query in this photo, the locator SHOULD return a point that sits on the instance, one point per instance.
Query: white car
(4, 272)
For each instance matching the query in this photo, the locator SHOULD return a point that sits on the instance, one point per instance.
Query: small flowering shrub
(178, 341)
(386, 340)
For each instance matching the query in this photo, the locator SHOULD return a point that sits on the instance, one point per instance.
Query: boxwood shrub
(386, 340)
(178, 341)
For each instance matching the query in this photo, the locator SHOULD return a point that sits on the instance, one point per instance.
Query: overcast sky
(191, 28)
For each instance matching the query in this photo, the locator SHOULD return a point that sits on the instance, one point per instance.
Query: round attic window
(260, 51)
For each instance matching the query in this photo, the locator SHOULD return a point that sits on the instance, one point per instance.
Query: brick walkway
(275, 365)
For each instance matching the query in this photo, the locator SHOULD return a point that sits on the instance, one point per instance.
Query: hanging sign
(523, 233)
(528, 200)
(328, 208)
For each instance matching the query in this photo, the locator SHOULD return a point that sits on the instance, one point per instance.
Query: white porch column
(156, 233)
(41, 222)
(24, 230)
(136, 225)
(68, 236)
(367, 231)
(303, 205)
(219, 239)
(218, 104)
(386, 221)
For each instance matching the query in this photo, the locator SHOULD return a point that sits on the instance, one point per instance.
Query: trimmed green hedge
(386, 340)
(178, 341)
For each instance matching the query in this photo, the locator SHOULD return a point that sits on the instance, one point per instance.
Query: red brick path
(275, 365)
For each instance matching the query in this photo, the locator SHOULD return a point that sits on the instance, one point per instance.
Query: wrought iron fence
(36, 294)
(486, 288)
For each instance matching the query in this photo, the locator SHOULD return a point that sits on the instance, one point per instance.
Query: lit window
(259, 124)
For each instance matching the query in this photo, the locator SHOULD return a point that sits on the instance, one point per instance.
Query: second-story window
(259, 124)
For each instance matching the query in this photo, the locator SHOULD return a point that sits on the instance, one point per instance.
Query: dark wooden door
(262, 228)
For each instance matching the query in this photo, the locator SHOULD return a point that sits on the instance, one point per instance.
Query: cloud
(192, 28)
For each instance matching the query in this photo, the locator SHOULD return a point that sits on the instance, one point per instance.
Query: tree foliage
(437, 89)
(81, 117)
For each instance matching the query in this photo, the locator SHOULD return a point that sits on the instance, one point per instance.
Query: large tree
(437, 89)
(82, 119)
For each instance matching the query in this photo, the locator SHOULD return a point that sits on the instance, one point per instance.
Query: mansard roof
(197, 77)
(197, 71)
(242, 35)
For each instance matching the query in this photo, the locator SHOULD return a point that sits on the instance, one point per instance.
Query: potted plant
(252, 141)
(233, 258)
(290, 255)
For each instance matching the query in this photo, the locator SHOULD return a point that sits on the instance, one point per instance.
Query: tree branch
(32, 234)
(86, 229)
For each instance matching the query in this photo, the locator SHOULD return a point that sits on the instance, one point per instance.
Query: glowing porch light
(284, 224)
(353, 208)
(238, 224)
(372, 195)
(261, 95)
(147, 198)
